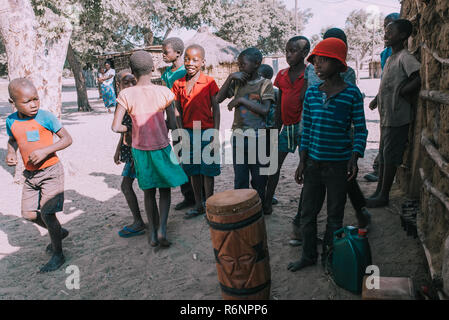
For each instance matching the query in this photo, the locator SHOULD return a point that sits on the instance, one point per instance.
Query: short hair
(298, 38)
(336, 33)
(176, 43)
(404, 26)
(198, 47)
(253, 54)
(122, 73)
(19, 83)
(392, 16)
(266, 71)
(110, 62)
(141, 63)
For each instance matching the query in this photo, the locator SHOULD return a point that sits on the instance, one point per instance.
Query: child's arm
(117, 125)
(39, 155)
(305, 140)
(178, 114)
(261, 109)
(278, 115)
(360, 135)
(11, 156)
(215, 112)
(411, 86)
(171, 117)
(117, 150)
(223, 93)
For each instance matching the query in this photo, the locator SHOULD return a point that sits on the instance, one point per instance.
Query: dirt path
(115, 268)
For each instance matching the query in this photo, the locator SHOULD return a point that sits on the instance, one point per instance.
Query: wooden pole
(296, 16)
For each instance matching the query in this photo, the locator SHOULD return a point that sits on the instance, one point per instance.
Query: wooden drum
(239, 239)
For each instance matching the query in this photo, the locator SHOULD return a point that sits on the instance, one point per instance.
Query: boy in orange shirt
(31, 130)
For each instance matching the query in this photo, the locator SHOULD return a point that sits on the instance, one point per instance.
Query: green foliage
(265, 24)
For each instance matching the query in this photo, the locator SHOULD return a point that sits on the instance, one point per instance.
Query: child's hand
(373, 104)
(240, 76)
(37, 156)
(233, 104)
(11, 159)
(299, 174)
(117, 158)
(353, 169)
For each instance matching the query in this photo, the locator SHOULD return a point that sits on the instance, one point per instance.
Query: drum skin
(239, 239)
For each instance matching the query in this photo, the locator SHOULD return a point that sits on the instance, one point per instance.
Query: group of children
(317, 107)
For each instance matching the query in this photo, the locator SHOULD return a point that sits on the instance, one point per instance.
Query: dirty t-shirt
(259, 90)
(146, 105)
(395, 110)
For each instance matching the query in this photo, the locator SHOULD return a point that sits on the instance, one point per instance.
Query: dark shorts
(290, 138)
(129, 170)
(44, 190)
(393, 141)
(197, 164)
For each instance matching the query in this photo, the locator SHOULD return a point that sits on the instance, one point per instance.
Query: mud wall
(425, 170)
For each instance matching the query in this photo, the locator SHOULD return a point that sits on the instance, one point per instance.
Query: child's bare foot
(64, 234)
(164, 242)
(56, 261)
(152, 240)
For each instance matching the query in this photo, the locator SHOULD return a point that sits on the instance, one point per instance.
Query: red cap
(362, 232)
(332, 48)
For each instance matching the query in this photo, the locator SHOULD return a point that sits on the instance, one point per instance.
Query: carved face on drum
(237, 260)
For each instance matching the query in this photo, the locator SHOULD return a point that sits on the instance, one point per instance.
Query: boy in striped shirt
(329, 151)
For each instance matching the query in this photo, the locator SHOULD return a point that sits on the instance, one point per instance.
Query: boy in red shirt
(198, 111)
(290, 82)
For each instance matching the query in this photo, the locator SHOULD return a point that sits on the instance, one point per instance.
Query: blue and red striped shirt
(327, 134)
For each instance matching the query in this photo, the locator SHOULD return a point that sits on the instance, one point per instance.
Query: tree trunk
(31, 55)
(80, 81)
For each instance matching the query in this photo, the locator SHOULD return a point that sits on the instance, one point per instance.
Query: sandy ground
(115, 268)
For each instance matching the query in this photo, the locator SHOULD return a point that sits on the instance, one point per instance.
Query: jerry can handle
(339, 231)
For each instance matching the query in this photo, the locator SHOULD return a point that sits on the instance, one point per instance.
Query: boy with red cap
(329, 151)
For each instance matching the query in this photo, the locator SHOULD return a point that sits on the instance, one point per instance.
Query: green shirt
(170, 76)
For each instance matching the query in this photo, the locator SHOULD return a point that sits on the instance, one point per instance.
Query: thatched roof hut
(221, 55)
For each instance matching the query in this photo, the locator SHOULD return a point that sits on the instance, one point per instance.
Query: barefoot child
(290, 83)
(399, 84)
(31, 130)
(195, 102)
(252, 96)
(329, 153)
(172, 50)
(155, 163)
(123, 154)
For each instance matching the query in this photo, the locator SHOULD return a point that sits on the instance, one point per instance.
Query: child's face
(26, 100)
(392, 35)
(294, 52)
(247, 65)
(169, 55)
(193, 61)
(128, 80)
(326, 67)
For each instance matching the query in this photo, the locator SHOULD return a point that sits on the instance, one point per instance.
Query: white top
(110, 72)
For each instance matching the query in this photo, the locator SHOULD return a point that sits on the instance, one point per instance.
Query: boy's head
(397, 32)
(390, 18)
(266, 71)
(194, 59)
(296, 49)
(336, 33)
(249, 60)
(172, 49)
(24, 96)
(141, 63)
(126, 79)
(329, 57)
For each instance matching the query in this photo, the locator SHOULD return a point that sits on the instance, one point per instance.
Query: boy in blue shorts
(172, 50)
(31, 131)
